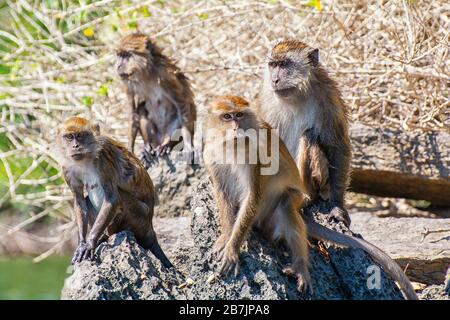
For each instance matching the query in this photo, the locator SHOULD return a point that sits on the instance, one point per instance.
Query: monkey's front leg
(339, 169)
(226, 217)
(104, 219)
(229, 256)
(81, 213)
(133, 121)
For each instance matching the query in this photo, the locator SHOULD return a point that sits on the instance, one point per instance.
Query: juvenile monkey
(113, 192)
(160, 99)
(300, 100)
(247, 198)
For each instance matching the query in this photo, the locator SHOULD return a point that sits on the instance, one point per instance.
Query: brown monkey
(247, 196)
(119, 192)
(161, 102)
(300, 100)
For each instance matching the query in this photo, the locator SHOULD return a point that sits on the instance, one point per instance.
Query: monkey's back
(124, 168)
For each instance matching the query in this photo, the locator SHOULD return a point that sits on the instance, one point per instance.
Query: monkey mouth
(77, 156)
(125, 76)
(285, 92)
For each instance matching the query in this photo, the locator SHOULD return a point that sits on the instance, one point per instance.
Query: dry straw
(390, 58)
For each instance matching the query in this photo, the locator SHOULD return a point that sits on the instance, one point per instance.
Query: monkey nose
(275, 81)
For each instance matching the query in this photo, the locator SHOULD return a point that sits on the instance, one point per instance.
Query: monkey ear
(314, 57)
(96, 128)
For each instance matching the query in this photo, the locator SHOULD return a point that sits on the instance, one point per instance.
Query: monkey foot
(303, 282)
(220, 244)
(229, 262)
(83, 252)
(340, 214)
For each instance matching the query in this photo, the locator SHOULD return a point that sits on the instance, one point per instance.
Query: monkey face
(131, 65)
(289, 67)
(78, 145)
(77, 138)
(232, 113)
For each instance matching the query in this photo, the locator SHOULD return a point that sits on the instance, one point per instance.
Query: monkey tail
(320, 232)
(151, 242)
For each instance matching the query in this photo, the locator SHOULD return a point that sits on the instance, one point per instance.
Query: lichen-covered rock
(438, 292)
(342, 275)
(123, 270)
(174, 180)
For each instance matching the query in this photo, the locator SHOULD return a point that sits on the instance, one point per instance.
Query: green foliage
(88, 101)
(20, 278)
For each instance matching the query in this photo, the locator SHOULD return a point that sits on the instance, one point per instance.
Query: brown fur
(159, 94)
(272, 203)
(245, 198)
(120, 193)
(299, 98)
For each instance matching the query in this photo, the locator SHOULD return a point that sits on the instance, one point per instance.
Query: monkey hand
(83, 252)
(147, 156)
(164, 149)
(339, 213)
(303, 281)
(229, 258)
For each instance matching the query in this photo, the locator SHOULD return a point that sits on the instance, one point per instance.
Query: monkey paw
(303, 281)
(340, 214)
(164, 149)
(147, 156)
(229, 261)
(220, 243)
(83, 252)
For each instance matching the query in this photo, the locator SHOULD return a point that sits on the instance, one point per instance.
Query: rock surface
(422, 244)
(174, 180)
(438, 292)
(406, 164)
(124, 270)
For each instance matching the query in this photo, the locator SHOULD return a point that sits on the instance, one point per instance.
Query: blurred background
(57, 60)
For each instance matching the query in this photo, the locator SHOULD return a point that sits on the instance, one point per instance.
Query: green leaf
(132, 24)
(203, 16)
(4, 69)
(103, 90)
(88, 101)
(145, 12)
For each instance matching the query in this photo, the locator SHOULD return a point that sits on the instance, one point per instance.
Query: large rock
(124, 270)
(174, 180)
(421, 245)
(438, 292)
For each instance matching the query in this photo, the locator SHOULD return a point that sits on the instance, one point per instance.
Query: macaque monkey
(247, 198)
(300, 100)
(161, 102)
(113, 192)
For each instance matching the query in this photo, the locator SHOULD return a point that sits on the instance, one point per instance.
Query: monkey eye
(227, 116)
(68, 137)
(239, 115)
(124, 54)
(284, 63)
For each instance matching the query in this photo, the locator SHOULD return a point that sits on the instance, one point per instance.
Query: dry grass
(390, 57)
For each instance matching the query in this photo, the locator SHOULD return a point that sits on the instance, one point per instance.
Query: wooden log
(393, 163)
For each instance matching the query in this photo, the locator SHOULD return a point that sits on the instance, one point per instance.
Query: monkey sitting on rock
(248, 193)
(161, 103)
(300, 100)
(113, 192)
